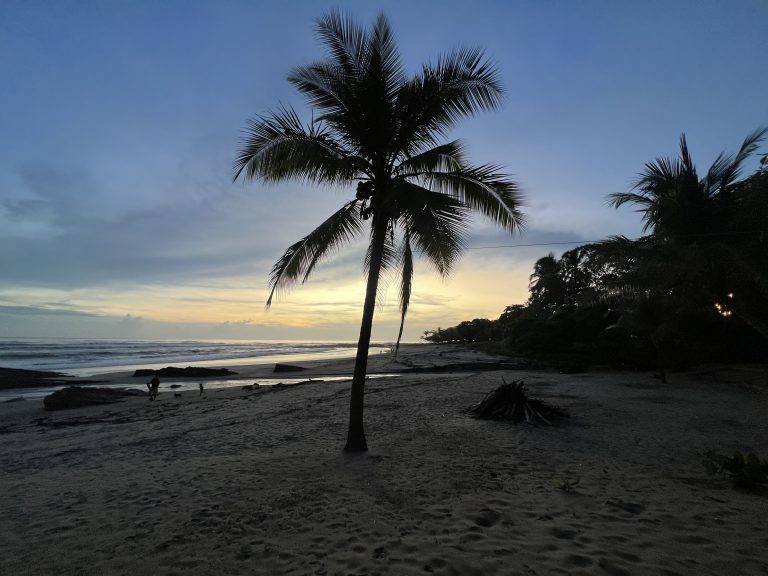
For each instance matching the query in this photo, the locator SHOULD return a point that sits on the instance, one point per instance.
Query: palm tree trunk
(356, 433)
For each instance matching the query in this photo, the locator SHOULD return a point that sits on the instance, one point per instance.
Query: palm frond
(300, 259)
(664, 188)
(436, 223)
(467, 84)
(345, 38)
(686, 165)
(617, 199)
(355, 89)
(461, 84)
(327, 86)
(726, 169)
(483, 190)
(406, 284)
(279, 147)
(384, 60)
(664, 174)
(646, 204)
(448, 157)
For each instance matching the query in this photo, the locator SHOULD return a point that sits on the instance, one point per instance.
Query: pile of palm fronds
(511, 402)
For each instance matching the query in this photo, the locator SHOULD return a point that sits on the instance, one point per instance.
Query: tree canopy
(694, 288)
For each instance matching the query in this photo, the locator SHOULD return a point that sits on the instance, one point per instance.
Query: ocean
(78, 357)
(88, 357)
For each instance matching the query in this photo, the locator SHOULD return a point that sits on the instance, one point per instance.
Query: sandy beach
(255, 481)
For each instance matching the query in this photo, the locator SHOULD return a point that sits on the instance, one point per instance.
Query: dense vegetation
(694, 288)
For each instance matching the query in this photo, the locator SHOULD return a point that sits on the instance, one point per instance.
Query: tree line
(694, 287)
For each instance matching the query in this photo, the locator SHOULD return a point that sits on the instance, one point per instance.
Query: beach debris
(288, 368)
(745, 471)
(78, 396)
(188, 372)
(511, 402)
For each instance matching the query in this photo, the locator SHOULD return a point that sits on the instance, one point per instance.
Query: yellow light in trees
(722, 310)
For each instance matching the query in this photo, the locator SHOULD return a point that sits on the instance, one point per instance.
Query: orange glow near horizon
(474, 290)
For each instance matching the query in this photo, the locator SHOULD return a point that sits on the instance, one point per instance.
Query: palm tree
(699, 246)
(677, 204)
(382, 128)
(546, 284)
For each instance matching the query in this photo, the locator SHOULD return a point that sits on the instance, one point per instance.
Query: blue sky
(120, 122)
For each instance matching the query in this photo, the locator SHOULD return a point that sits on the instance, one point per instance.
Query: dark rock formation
(16, 378)
(78, 396)
(188, 372)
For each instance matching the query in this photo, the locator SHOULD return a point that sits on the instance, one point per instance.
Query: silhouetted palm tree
(546, 284)
(677, 204)
(382, 128)
(699, 248)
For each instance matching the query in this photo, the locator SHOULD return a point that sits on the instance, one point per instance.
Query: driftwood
(510, 402)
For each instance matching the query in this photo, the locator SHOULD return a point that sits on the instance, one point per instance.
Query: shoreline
(18, 402)
(410, 357)
(123, 355)
(258, 367)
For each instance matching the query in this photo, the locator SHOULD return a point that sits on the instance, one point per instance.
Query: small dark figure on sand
(153, 386)
(202, 389)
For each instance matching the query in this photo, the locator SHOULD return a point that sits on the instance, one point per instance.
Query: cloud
(10, 310)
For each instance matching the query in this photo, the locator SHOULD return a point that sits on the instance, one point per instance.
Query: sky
(121, 120)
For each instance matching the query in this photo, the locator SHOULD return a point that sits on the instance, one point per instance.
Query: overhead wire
(537, 244)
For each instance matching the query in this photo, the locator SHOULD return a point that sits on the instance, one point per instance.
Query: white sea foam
(87, 357)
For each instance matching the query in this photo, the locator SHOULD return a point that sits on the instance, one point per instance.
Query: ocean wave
(73, 355)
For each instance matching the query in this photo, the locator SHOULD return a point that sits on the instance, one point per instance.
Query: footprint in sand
(631, 507)
(578, 560)
(487, 518)
(564, 534)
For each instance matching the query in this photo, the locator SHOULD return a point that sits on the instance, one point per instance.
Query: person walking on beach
(202, 389)
(153, 386)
